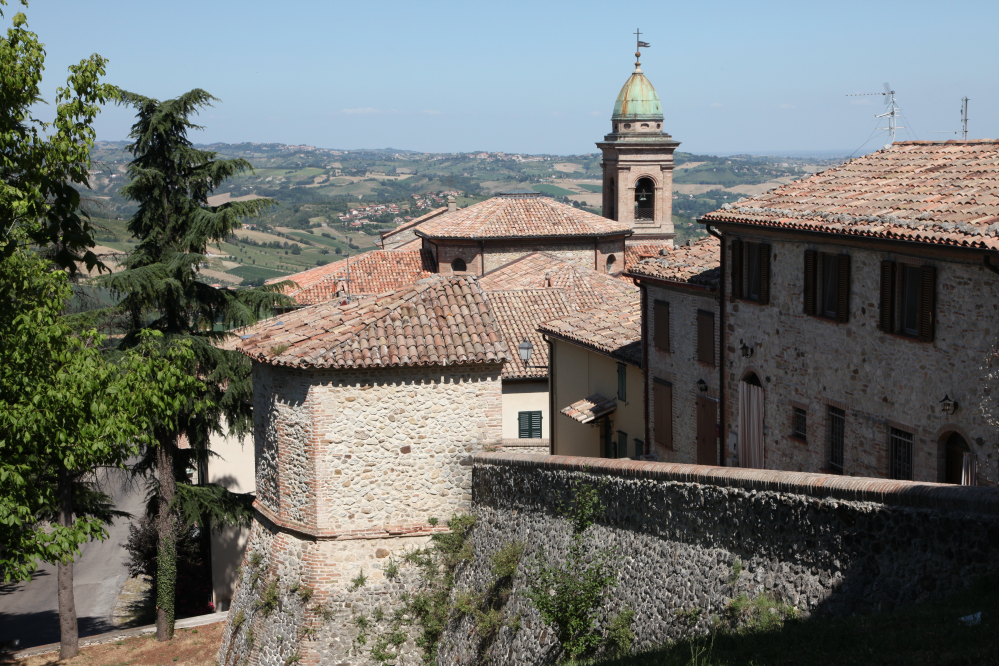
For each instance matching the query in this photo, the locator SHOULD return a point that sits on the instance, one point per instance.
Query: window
(639, 448)
(753, 271)
(645, 200)
(799, 424)
(622, 382)
(827, 285)
(529, 425)
(660, 325)
(750, 271)
(835, 434)
(662, 413)
(706, 337)
(459, 265)
(908, 300)
(610, 263)
(622, 444)
(899, 454)
(828, 302)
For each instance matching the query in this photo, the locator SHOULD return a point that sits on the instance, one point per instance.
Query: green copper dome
(638, 100)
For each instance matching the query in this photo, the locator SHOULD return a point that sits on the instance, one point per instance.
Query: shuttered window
(915, 313)
(757, 273)
(736, 269)
(660, 325)
(811, 270)
(622, 444)
(529, 425)
(622, 382)
(706, 337)
(827, 285)
(662, 395)
(842, 288)
(886, 316)
(927, 302)
(639, 448)
(835, 436)
(763, 289)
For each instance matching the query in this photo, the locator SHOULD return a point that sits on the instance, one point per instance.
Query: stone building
(860, 306)
(638, 163)
(681, 326)
(365, 418)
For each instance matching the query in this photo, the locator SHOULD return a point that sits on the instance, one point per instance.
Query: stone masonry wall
(880, 380)
(824, 544)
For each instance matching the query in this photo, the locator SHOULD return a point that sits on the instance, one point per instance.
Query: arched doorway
(751, 421)
(645, 200)
(959, 461)
(458, 265)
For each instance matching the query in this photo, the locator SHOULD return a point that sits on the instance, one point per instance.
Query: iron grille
(836, 429)
(899, 454)
(645, 214)
(799, 426)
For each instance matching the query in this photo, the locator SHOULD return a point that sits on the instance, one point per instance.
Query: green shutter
(529, 425)
(622, 444)
(622, 382)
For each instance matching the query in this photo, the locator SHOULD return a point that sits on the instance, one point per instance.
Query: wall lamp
(947, 405)
(747, 351)
(702, 386)
(525, 348)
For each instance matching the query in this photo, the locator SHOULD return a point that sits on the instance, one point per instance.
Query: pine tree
(171, 181)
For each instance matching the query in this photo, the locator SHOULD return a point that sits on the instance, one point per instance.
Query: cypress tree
(171, 181)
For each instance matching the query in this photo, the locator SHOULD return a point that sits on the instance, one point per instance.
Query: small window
(611, 260)
(706, 337)
(639, 448)
(622, 382)
(660, 325)
(459, 265)
(835, 434)
(529, 425)
(828, 301)
(799, 424)
(899, 454)
(909, 315)
(753, 271)
(622, 444)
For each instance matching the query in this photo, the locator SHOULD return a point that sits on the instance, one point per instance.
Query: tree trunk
(166, 557)
(69, 633)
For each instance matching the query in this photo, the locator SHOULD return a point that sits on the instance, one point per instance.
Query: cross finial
(638, 47)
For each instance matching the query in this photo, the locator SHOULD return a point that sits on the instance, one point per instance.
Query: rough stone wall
(448, 251)
(580, 253)
(880, 380)
(679, 366)
(823, 544)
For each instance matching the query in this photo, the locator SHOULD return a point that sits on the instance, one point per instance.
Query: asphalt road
(29, 612)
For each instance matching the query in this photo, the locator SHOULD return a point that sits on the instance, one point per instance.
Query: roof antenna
(964, 121)
(892, 112)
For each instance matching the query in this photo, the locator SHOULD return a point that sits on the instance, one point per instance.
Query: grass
(928, 633)
(554, 190)
(254, 272)
(596, 189)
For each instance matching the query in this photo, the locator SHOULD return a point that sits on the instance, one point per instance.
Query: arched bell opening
(645, 200)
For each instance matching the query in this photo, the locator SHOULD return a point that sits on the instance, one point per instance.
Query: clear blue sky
(536, 77)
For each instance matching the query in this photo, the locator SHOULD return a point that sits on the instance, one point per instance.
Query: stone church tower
(638, 163)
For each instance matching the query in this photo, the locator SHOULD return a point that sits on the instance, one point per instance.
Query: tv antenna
(964, 121)
(892, 113)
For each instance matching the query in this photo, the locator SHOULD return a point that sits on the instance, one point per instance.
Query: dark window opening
(835, 435)
(622, 444)
(660, 325)
(909, 315)
(899, 454)
(645, 200)
(706, 337)
(529, 425)
(955, 450)
(639, 448)
(622, 382)
(663, 413)
(753, 271)
(611, 259)
(459, 265)
(828, 308)
(799, 424)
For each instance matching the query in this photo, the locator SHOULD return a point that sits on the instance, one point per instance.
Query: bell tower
(638, 162)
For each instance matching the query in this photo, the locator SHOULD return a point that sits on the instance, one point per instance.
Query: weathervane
(638, 49)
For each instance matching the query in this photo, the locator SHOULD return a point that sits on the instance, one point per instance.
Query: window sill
(910, 338)
(799, 440)
(707, 365)
(826, 469)
(749, 300)
(831, 320)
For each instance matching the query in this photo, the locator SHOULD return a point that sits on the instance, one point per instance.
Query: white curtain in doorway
(969, 469)
(750, 425)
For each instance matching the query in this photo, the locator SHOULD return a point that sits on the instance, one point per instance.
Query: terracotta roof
(585, 288)
(944, 193)
(613, 328)
(635, 253)
(370, 273)
(407, 226)
(695, 262)
(590, 409)
(438, 321)
(519, 313)
(520, 216)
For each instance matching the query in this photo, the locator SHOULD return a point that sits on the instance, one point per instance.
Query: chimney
(452, 203)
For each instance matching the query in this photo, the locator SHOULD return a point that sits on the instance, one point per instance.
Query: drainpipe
(723, 434)
(551, 394)
(646, 375)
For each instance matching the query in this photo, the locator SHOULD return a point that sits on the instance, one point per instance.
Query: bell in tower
(638, 162)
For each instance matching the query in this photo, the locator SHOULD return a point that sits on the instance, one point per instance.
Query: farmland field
(597, 189)
(553, 190)
(254, 272)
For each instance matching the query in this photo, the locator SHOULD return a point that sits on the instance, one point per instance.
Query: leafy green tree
(171, 181)
(40, 162)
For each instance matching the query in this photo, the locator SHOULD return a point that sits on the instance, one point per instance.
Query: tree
(40, 162)
(170, 181)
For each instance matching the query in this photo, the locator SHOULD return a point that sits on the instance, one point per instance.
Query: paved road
(29, 611)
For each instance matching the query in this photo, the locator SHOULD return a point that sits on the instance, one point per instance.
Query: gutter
(722, 434)
(551, 394)
(672, 284)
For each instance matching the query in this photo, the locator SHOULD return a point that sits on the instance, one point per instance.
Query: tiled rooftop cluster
(519, 312)
(437, 321)
(590, 409)
(370, 273)
(635, 253)
(520, 217)
(614, 328)
(695, 262)
(933, 192)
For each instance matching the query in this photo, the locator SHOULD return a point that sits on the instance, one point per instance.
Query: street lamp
(525, 348)
(747, 351)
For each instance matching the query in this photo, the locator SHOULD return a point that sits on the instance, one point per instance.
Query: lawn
(929, 633)
(596, 189)
(254, 272)
(554, 190)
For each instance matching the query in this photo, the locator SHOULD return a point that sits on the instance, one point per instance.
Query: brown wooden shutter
(842, 288)
(886, 317)
(660, 315)
(706, 337)
(736, 269)
(663, 395)
(811, 266)
(707, 431)
(764, 274)
(927, 302)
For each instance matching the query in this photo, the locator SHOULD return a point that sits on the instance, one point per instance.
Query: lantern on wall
(947, 405)
(747, 351)
(702, 386)
(525, 348)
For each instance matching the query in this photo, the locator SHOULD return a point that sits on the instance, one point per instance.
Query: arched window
(611, 259)
(458, 265)
(645, 200)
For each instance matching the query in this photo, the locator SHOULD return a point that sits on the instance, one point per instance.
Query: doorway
(959, 461)
(751, 422)
(707, 431)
